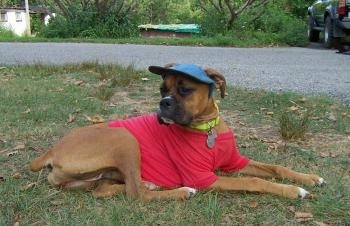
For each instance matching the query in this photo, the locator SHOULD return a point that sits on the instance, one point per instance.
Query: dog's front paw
(189, 192)
(321, 182)
(302, 193)
(312, 179)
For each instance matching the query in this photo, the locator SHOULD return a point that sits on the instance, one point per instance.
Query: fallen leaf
(318, 223)
(244, 145)
(291, 209)
(71, 118)
(26, 111)
(241, 123)
(303, 216)
(270, 113)
(16, 175)
(16, 223)
(263, 109)
(97, 119)
(87, 118)
(253, 203)
(57, 202)
(324, 154)
(19, 147)
(29, 186)
(79, 82)
(293, 109)
(2, 178)
(145, 79)
(332, 117)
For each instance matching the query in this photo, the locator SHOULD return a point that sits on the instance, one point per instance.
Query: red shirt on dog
(172, 156)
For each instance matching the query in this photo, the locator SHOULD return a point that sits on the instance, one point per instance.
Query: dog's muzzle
(172, 111)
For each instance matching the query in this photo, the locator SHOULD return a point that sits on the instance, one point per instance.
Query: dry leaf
(26, 111)
(324, 154)
(71, 118)
(332, 117)
(87, 118)
(241, 123)
(253, 203)
(19, 147)
(17, 175)
(145, 79)
(293, 109)
(97, 119)
(16, 223)
(29, 186)
(303, 216)
(291, 209)
(57, 202)
(79, 82)
(270, 113)
(318, 223)
(2, 178)
(244, 145)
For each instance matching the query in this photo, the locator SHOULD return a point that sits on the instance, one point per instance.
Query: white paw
(302, 193)
(321, 182)
(190, 191)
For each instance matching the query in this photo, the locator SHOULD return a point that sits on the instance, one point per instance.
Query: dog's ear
(219, 79)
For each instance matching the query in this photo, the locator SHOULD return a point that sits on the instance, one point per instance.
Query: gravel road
(311, 70)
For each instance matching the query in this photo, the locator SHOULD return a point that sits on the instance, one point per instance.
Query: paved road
(309, 70)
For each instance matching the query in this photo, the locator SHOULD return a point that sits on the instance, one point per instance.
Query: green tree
(227, 11)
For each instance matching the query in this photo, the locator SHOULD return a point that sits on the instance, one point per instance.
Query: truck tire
(328, 40)
(312, 34)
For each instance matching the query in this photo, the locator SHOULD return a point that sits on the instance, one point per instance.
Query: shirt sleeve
(235, 162)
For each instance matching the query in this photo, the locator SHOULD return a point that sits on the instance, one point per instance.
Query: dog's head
(187, 93)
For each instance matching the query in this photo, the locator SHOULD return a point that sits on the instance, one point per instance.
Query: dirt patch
(326, 144)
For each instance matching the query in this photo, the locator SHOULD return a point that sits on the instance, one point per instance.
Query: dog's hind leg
(107, 188)
(41, 162)
(259, 169)
(181, 193)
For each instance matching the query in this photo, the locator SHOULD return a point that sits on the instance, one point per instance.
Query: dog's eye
(184, 90)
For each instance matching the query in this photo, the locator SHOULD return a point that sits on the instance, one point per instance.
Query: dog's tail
(42, 161)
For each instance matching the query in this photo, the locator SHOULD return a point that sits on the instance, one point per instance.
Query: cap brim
(165, 71)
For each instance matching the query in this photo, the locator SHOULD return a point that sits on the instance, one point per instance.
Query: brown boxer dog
(179, 148)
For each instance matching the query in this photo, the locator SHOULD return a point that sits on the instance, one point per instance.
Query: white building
(14, 18)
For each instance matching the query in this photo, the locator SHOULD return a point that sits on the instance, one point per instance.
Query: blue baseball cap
(191, 70)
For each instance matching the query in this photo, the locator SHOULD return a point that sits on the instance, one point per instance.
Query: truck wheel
(313, 35)
(328, 33)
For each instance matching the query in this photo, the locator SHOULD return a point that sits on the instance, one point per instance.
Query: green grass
(37, 101)
(242, 39)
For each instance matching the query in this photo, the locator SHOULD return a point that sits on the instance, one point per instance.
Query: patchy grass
(38, 104)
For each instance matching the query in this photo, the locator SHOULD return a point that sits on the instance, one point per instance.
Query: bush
(278, 25)
(6, 33)
(58, 27)
(87, 24)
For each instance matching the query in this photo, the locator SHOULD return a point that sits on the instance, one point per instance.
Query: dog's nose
(167, 102)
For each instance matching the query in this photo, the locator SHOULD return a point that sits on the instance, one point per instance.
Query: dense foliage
(279, 22)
